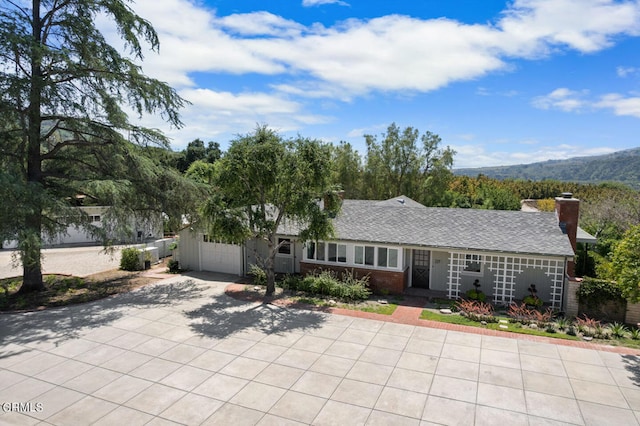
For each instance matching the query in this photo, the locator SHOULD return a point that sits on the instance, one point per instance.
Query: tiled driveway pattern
(181, 352)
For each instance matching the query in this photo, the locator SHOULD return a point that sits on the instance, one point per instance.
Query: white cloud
(473, 156)
(260, 23)
(533, 27)
(625, 71)
(309, 3)
(573, 101)
(562, 99)
(389, 53)
(629, 106)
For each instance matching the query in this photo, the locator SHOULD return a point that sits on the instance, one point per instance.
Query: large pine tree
(63, 126)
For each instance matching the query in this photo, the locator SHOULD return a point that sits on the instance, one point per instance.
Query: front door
(420, 268)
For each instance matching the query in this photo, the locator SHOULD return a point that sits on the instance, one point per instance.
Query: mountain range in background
(620, 166)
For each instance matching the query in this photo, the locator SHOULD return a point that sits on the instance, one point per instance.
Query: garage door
(225, 258)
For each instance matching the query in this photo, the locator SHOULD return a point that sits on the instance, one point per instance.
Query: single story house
(402, 244)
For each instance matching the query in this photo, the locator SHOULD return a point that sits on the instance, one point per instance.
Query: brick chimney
(568, 213)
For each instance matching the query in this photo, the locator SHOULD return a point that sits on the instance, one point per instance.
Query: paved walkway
(182, 352)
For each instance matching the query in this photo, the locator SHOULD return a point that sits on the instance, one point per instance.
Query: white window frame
(337, 247)
(470, 259)
(364, 255)
(346, 254)
(323, 248)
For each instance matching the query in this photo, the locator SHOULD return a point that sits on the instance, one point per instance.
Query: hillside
(621, 166)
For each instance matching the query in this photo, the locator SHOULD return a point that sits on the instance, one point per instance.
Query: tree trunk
(271, 281)
(31, 239)
(270, 267)
(30, 245)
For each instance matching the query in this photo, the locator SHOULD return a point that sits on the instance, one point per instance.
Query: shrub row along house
(402, 244)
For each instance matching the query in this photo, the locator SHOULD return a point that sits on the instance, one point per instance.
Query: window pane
(311, 250)
(393, 258)
(359, 255)
(382, 256)
(285, 248)
(332, 252)
(369, 253)
(342, 253)
(473, 267)
(320, 252)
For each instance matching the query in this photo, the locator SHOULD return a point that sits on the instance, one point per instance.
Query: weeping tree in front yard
(263, 183)
(63, 127)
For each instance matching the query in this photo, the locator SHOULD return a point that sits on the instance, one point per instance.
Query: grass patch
(309, 300)
(512, 327)
(388, 309)
(518, 328)
(448, 318)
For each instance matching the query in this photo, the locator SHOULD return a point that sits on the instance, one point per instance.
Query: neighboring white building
(140, 230)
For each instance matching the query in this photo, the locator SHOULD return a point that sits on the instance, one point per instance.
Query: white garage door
(225, 258)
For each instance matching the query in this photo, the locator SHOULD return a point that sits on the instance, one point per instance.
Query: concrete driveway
(79, 261)
(182, 352)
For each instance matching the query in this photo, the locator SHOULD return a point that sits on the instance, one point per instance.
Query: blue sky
(502, 82)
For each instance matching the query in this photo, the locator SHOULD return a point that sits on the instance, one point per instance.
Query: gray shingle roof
(410, 223)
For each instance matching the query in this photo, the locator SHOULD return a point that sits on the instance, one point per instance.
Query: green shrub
(563, 323)
(594, 292)
(327, 283)
(174, 266)
(130, 260)
(532, 301)
(618, 330)
(478, 295)
(258, 274)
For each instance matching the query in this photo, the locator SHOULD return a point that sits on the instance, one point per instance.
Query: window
(337, 253)
(285, 247)
(311, 250)
(387, 258)
(320, 251)
(393, 258)
(342, 253)
(358, 257)
(382, 257)
(364, 255)
(473, 264)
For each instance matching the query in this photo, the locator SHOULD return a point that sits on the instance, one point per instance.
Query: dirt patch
(64, 290)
